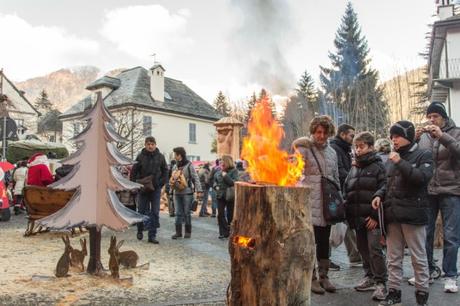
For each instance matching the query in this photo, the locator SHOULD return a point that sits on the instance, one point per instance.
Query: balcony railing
(449, 69)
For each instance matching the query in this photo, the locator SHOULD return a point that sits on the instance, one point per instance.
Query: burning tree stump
(272, 247)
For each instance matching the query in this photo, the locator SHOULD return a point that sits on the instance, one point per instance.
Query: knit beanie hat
(438, 108)
(404, 129)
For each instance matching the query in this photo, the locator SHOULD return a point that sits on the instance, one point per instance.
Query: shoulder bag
(333, 204)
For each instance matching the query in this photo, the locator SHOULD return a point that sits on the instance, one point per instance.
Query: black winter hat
(438, 108)
(404, 129)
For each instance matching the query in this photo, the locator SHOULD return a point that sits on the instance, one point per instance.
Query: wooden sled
(42, 202)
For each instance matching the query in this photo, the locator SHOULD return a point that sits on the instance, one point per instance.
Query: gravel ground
(194, 271)
(182, 272)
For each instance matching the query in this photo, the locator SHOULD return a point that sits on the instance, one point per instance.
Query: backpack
(178, 180)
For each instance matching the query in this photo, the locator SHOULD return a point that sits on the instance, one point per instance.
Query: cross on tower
(154, 55)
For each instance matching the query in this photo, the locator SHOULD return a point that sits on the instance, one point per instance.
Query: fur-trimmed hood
(304, 142)
(307, 143)
(38, 159)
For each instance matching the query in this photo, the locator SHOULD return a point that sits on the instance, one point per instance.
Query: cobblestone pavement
(348, 277)
(182, 272)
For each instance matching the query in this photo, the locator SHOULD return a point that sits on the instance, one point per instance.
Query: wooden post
(272, 247)
(94, 264)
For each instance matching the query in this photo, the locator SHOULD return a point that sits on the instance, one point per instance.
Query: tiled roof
(135, 89)
(107, 81)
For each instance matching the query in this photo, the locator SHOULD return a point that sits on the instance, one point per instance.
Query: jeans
(149, 205)
(183, 203)
(171, 209)
(449, 205)
(214, 202)
(371, 251)
(204, 205)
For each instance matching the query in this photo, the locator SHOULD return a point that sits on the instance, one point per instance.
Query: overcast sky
(232, 45)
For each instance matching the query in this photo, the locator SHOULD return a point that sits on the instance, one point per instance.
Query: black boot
(421, 298)
(140, 229)
(188, 231)
(178, 233)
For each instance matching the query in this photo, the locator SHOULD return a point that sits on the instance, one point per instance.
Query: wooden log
(272, 246)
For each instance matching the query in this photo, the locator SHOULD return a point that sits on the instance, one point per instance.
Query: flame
(245, 242)
(266, 161)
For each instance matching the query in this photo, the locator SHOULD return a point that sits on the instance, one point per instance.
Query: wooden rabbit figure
(77, 257)
(62, 267)
(113, 261)
(127, 259)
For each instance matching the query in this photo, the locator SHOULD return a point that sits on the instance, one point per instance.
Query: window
(192, 132)
(147, 126)
(20, 125)
(193, 158)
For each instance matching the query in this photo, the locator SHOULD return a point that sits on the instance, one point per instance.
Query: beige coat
(312, 177)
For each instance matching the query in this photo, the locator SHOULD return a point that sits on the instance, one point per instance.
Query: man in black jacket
(341, 143)
(150, 163)
(406, 211)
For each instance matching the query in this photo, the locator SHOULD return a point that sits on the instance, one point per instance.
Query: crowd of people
(185, 186)
(393, 190)
(34, 171)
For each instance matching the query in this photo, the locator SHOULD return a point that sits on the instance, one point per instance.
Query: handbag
(147, 182)
(194, 205)
(230, 194)
(333, 204)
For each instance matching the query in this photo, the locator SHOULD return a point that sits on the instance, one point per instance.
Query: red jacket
(39, 173)
(3, 196)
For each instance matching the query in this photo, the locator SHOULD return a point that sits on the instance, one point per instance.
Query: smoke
(265, 32)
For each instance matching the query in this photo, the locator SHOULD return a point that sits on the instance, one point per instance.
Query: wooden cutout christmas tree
(95, 179)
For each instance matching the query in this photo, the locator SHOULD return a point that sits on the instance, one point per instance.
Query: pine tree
(221, 105)
(42, 103)
(350, 83)
(307, 94)
(251, 102)
(263, 93)
(299, 110)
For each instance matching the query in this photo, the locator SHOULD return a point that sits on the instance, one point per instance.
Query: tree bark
(95, 265)
(276, 267)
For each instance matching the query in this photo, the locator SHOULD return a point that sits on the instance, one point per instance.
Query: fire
(245, 242)
(261, 149)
